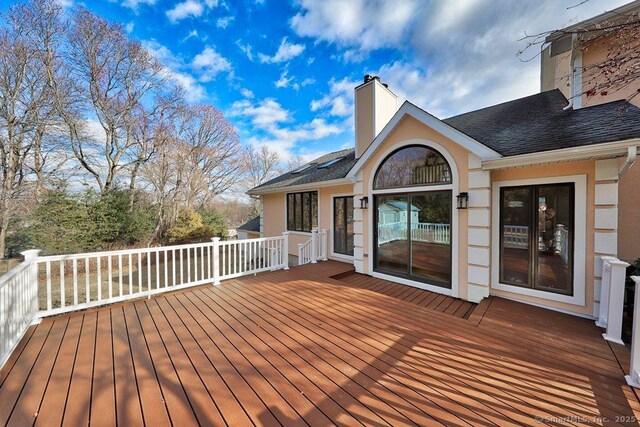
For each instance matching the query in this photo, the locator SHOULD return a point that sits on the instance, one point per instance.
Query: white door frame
(454, 291)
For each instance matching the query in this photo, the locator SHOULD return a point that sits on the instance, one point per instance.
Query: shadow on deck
(298, 347)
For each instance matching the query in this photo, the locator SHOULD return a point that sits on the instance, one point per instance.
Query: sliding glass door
(343, 225)
(413, 236)
(536, 237)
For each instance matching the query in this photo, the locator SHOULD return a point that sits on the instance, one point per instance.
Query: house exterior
(518, 200)
(250, 229)
(569, 63)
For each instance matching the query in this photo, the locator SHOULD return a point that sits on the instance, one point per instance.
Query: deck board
(314, 345)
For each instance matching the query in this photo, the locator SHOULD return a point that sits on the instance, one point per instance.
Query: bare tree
(26, 110)
(618, 70)
(114, 76)
(263, 164)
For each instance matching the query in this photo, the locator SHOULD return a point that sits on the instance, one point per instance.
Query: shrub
(189, 228)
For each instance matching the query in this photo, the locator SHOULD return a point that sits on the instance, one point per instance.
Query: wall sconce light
(463, 200)
(364, 202)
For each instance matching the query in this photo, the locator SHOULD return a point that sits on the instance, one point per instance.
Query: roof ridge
(507, 102)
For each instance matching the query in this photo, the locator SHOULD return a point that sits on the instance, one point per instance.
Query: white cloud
(65, 3)
(285, 52)
(189, 8)
(129, 27)
(284, 80)
(173, 65)
(339, 100)
(209, 64)
(247, 49)
(462, 52)
(133, 4)
(246, 93)
(225, 21)
(192, 34)
(270, 122)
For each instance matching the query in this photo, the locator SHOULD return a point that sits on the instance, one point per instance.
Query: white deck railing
(515, 236)
(18, 303)
(314, 249)
(612, 298)
(421, 232)
(49, 285)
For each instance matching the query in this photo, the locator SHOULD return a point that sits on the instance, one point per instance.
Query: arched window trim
(394, 152)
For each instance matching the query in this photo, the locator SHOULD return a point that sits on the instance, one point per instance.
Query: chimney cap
(369, 77)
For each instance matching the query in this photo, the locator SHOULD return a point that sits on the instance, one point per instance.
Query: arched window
(412, 166)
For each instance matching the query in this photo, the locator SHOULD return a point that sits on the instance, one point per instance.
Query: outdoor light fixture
(364, 203)
(463, 200)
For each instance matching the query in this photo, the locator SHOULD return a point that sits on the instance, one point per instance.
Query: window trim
(579, 242)
(333, 224)
(533, 233)
(302, 229)
(428, 184)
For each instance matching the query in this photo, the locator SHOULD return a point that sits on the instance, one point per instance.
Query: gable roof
(313, 174)
(533, 124)
(252, 225)
(539, 123)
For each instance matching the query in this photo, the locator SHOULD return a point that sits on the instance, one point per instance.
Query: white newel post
(31, 256)
(616, 301)
(216, 260)
(633, 379)
(285, 250)
(604, 291)
(314, 246)
(323, 242)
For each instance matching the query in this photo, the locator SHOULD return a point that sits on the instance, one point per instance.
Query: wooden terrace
(315, 345)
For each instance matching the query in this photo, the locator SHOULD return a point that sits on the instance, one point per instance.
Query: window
(302, 211)
(343, 225)
(303, 168)
(537, 237)
(330, 163)
(412, 166)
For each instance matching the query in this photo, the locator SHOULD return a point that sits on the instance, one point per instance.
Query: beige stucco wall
(629, 215)
(274, 206)
(555, 170)
(409, 129)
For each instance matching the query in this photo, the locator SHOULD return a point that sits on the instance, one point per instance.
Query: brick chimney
(375, 104)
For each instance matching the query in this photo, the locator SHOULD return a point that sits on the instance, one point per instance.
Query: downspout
(632, 153)
(572, 69)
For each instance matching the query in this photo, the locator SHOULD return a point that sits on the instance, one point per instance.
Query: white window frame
(454, 291)
(579, 233)
(332, 254)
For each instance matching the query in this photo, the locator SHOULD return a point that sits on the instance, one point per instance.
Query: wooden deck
(297, 347)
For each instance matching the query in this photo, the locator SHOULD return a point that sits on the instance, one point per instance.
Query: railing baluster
(110, 278)
(208, 261)
(75, 281)
(166, 270)
(173, 267)
(87, 279)
(130, 274)
(181, 267)
(139, 272)
(195, 265)
(157, 268)
(48, 268)
(99, 278)
(62, 289)
(119, 275)
(149, 271)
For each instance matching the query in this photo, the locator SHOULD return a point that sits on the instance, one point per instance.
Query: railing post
(633, 379)
(616, 301)
(31, 256)
(314, 246)
(216, 260)
(604, 292)
(324, 244)
(285, 250)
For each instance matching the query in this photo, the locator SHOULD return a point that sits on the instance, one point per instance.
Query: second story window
(302, 211)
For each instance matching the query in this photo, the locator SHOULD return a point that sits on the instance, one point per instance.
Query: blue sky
(284, 72)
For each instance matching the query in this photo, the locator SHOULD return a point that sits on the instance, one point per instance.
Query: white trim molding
(331, 230)
(595, 151)
(302, 187)
(580, 239)
(478, 229)
(408, 109)
(454, 291)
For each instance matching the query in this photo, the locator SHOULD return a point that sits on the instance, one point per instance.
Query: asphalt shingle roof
(527, 125)
(314, 173)
(252, 225)
(539, 123)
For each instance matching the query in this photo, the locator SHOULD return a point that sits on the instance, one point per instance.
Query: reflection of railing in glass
(562, 242)
(420, 232)
(515, 236)
(431, 173)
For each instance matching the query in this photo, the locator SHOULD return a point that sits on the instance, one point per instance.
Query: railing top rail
(260, 239)
(4, 279)
(636, 279)
(120, 252)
